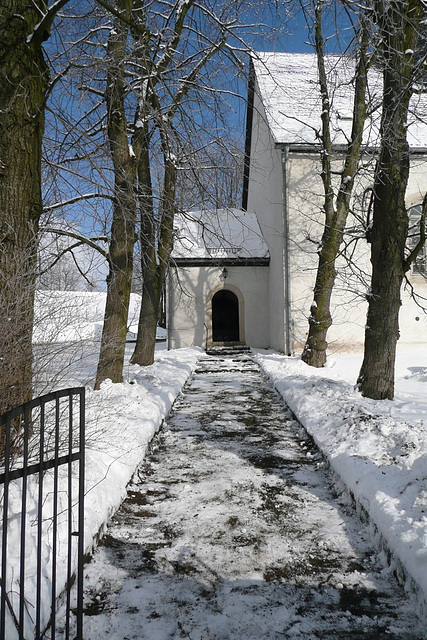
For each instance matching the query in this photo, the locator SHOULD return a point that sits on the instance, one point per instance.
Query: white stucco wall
(190, 290)
(412, 318)
(349, 306)
(305, 195)
(266, 201)
(306, 220)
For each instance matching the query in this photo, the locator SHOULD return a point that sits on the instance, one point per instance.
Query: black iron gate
(42, 537)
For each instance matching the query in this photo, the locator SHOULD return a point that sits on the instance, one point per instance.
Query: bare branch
(90, 242)
(79, 198)
(42, 29)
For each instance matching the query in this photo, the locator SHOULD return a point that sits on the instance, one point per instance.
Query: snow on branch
(64, 203)
(41, 30)
(133, 24)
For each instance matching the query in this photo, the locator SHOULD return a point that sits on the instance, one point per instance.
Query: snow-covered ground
(378, 448)
(234, 529)
(121, 419)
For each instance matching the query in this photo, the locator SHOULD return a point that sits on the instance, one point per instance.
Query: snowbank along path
(234, 529)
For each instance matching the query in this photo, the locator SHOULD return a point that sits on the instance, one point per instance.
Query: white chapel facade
(247, 276)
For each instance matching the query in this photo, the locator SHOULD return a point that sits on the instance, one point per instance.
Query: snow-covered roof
(218, 234)
(289, 89)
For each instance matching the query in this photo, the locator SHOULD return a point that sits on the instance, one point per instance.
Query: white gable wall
(265, 199)
(304, 191)
(288, 85)
(306, 218)
(218, 234)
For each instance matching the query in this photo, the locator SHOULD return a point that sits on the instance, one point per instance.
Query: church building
(246, 276)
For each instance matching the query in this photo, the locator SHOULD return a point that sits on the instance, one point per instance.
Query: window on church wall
(419, 266)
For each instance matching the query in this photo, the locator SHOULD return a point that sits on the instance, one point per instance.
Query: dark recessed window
(419, 266)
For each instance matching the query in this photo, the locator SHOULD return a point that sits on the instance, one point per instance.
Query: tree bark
(147, 324)
(129, 171)
(154, 263)
(24, 81)
(399, 26)
(123, 236)
(336, 209)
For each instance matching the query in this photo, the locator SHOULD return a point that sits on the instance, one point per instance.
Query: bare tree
(123, 234)
(139, 71)
(134, 69)
(24, 27)
(164, 67)
(398, 27)
(213, 177)
(188, 129)
(337, 202)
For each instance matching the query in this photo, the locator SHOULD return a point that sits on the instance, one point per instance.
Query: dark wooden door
(225, 317)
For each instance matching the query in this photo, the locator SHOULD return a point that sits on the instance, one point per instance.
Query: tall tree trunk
(147, 323)
(24, 80)
(155, 259)
(150, 307)
(122, 241)
(399, 24)
(119, 280)
(336, 209)
(157, 227)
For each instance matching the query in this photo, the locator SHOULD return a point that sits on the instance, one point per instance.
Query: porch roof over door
(226, 236)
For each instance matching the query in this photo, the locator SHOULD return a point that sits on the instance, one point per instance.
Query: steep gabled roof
(218, 235)
(287, 84)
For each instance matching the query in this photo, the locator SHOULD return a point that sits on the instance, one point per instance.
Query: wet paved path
(233, 529)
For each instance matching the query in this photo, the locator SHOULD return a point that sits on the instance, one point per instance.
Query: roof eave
(339, 148)
(222, 262)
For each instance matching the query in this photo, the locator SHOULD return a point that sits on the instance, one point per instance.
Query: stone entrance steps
(228, 350)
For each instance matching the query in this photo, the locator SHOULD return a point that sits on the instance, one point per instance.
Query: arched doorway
(225, 317)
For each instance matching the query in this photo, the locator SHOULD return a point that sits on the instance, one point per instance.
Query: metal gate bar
(19, 432)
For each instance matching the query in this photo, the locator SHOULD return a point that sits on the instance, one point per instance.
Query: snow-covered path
(234, 529)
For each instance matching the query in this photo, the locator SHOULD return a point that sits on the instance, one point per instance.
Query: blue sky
(290, 31)
(281, 32)
(289, 34)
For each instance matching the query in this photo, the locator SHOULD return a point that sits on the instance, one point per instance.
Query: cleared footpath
(234, 529)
